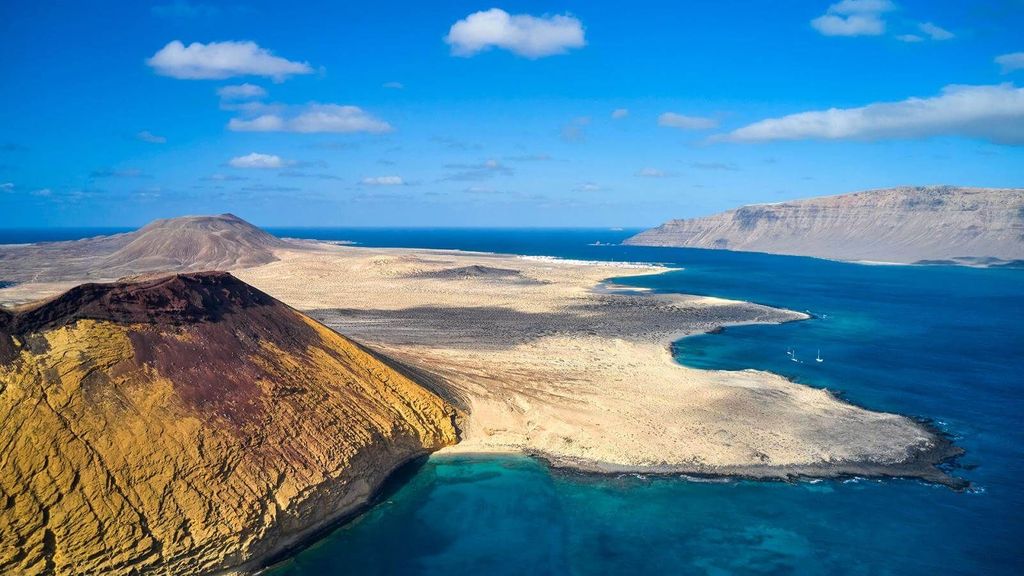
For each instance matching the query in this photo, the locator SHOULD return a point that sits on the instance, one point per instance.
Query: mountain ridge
(904, 225)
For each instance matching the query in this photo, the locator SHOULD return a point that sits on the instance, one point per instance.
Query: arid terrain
(185, 244)
(927, 224)
(195, 423)
(544, 363)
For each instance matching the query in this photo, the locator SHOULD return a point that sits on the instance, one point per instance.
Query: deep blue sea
(942, 343)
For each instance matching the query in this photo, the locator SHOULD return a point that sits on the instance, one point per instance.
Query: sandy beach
(544, 359)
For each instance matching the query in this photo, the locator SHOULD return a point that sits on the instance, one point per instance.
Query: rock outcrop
(907, 225)
(185, 244)
(189, 424)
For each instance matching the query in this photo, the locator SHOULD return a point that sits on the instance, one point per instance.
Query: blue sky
(481, 114)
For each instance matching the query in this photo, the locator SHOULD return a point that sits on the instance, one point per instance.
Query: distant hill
(906, 225)
(188, 243)
(189, 424)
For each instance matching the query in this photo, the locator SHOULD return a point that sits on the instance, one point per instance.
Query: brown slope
(189, 424)
(184, 244)
(907, 224)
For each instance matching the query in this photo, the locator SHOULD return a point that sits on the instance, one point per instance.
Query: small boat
(789, 352)
(819, 358)
(792, 356)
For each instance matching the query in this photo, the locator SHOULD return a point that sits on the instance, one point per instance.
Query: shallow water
(942, 343)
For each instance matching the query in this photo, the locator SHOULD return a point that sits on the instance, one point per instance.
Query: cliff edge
(935, 224)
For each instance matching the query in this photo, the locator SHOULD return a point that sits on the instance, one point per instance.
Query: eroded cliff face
(907, 224)
(190, 424)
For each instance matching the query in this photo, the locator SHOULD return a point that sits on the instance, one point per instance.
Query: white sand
(545, 364)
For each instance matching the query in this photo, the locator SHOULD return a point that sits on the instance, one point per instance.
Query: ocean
(944, 344)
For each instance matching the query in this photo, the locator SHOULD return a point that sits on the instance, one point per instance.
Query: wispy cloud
(653, 173)
(455, 144)
(118, 173)
(257, 160)
(994, 113)
(853, 18)
(219, 60)
(619, 113)
(522, 34)
(935, 32)
(482, 171)
(576, 129)
(721, 166)
(312, 118)
(382, 181)
(587, 187)
(393, 85)
(269, 188)
(1011, 62)
(241, 91)
(300, 174)
(683, 122)
(224, 178)
(147, 136)
(481, 190)
(7, 187)
(529, 158)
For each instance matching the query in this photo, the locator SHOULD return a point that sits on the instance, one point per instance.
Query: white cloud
(241, 91)
(382, 181)
(935, 32)
(7, 186)
(313, 118)
(853, 18)
(909, 38)
(587, 187)
(393, 85)
(673, 120)
(1011, 62)
(652, 173)
(576, 129)
(522, 34)
(219, 60)
(619, 113)
(257, 160)
(147, 136)
(994, 113)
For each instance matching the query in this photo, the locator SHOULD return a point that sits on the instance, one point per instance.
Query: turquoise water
(941, 343)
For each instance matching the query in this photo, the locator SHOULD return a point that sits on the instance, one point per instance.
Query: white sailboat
(819, 358)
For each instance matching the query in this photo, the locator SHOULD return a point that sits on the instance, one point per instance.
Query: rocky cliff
(189, 424)
(910, 224)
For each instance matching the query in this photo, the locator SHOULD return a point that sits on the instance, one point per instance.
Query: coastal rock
(976, 226)
(190, 424)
